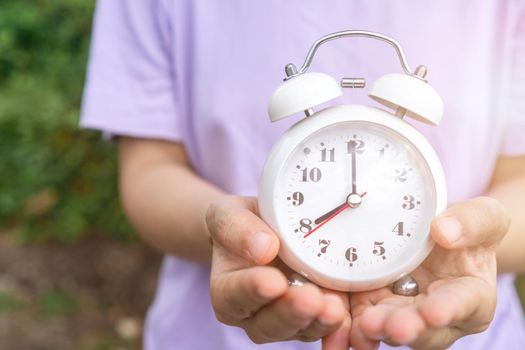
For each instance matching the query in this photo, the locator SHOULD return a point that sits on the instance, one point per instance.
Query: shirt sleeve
(130, 81)
(514, 132)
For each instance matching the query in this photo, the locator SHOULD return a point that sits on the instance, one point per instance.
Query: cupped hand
(248, 293)
(457, 285)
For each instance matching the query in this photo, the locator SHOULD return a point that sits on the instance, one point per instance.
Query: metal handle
(291, 70)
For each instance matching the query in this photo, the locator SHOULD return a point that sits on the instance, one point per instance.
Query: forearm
(511, 252)
(164, 199)
(508, 186)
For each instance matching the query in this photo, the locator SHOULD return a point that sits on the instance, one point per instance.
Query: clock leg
(294, 278)
(406, 286)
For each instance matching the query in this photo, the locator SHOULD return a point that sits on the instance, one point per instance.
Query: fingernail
(260, 244)
(450, 228)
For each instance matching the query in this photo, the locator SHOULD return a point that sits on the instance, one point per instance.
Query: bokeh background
(72, 273)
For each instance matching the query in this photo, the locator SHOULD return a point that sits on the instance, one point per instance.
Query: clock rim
(303, 129)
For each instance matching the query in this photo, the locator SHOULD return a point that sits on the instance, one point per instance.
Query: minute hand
(352, 151)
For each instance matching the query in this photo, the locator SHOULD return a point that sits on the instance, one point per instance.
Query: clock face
(354, 201)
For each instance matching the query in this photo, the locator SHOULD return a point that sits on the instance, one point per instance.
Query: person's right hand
(247, 293)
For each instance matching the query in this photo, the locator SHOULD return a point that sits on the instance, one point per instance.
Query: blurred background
(72, 273)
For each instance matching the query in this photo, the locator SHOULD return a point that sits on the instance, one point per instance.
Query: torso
(228, 57)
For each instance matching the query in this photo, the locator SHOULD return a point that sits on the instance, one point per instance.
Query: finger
(404, 325)
(468, 303)
(372, 321)
(237, 295)
(482, 220)
(339, 340)
(331, 317)
(440, 338)
(358, 340)
(234, 225)
(285, 317)
(368, 320)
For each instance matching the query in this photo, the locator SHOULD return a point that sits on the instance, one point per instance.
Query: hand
(457, 284)
(247, 293)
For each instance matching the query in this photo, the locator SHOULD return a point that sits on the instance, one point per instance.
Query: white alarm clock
(351, 190)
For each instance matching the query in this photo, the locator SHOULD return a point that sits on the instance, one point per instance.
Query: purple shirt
(201, 72)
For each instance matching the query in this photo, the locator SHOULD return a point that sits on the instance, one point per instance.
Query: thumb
(234, 225)
(481, 220)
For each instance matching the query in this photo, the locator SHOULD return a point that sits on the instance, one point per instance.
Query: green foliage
(56, 181)
(9, 303)
(57, 303)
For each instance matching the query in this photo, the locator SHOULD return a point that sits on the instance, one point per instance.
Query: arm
(164, 199)
(177, 212)
(508, 186)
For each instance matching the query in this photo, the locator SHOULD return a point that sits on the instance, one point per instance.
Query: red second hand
(331, 217)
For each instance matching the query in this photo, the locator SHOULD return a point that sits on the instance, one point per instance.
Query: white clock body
(309, 173)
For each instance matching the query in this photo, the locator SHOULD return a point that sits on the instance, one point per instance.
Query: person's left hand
(457, 285)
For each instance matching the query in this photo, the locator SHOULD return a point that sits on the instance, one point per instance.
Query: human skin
(458, 293)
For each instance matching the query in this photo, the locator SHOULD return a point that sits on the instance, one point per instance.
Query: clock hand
(323, 219)
(352, 151)
(327, 215)
(330, 213)
(337, 212)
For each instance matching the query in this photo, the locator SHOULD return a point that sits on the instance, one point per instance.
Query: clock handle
(291, 70)
(408, 94)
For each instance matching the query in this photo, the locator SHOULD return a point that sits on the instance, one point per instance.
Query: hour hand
(330, 213)
(352, 201)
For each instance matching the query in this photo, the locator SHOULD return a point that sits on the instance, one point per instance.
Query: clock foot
(406, 286)
(296, 280)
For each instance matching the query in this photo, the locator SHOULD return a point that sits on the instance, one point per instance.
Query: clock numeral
(358, 145)
(313, 175)
(399, 228)
(351, 254)
(323, 244)
(305, 225)
(382, 151)
(401, 175)
(409, 202)
(328, 155)
(297, 199)
(379, 250)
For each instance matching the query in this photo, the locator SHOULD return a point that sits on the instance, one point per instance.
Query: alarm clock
(351, 190)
